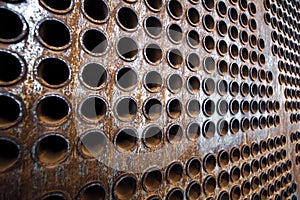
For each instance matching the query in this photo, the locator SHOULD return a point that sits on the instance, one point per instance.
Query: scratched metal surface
(41, 172)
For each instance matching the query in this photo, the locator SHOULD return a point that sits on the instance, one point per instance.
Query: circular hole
(92, 191)
(50, 154)
(208, 107)
(9, 153)
(209, 64)
(233, 33)
(152, 180)
(222, 47)
(222, 87)
(254, 123)
(54, 34)
(234, 69)
(253, 90)
(233, 51)
(253, 41)
(126, 139)
(175, 33)
(193, 131)
(253, 58)
(245, 89)
(269, 76)
(93, 109)
(155, 6)
(193, 16)
(93, 144)
(193, 191)
(263, 162)
(255, 183)
(126, 108)
(175, 9)
(125, 187)
(235, 155)
(15, 26)
(127, 18)
(235, 174)
(262, 122)
(234, 106)
(152, 108)
(222, 27)
(209, 43)
(175, 58)
(261, 44)
(223, 127)
(244, 71)
(263, 146)
(95, 42)
(246, 151)
(246, 188)
(253, 25)
(174, 108)
(222, 107)
(233, 14)
(254, 166)
(252, 8)
(153, 81)
(55, 196)
(193, 167)
(153, 26)
(153, 136)
(209, 86)
(234, 125)
(209, 128)
(209, 184)
(126, 78)
(208, 4)
(96, 11)
(10, 110)
(127, 48)
(193, 107)
(223, 158)
(153, 53)
(13, 68)
(269, 91)
(223, 179)
(223, 195)
(175, 83)
(267, 4)
(244, 54)
(174, 173)
(262, 90)
(235, 193)
(93, 75)
(234, 88)
(193, 61)
(175, 133)
(193, 38)
(243, 20)
(267, 18)
(174, 194)
(243, 4)
(246, 170)
(244, 37)
(245, 106)
(208, 22)
(52, 109)
(221, 8)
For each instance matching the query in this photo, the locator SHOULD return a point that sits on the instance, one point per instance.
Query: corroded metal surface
(149, 99)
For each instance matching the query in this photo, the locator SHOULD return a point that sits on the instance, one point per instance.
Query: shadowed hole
(243, 19)
(127, 48)
(209, 43)
(125, 187)
(9, 153)
(209, 184)
(153, 26)
(126, 139)
(208, 22)
(127, 18)
(155, 5)
(174, 173)
(193, 167)
(153, 136)
(221, 8)
(223, 179)
(97, 11)
(126, 109)
(223, 158)
(93, 144)
(94, 109)
(222, 47)
(209, 129)
(235, 193)
(193, 16)
(152, 180)
(175, 9)
(234, 88)
(193, 38)
(153, 81)
(234, 106)
(10, 111)
(234, 50)
(234, 69)
(233, 14)
(94, 75)
(246, 170)
(193, 61)
(208, 4)
(152, 108)
(92, 191)
(153, 53)
(175, 58)
(174, 108)
(235, 174)
(209, 162)
(193, 84)
(234, 126)
(193, 191)
(193, 131)
(223, 127)
(222, 27)
(175, 194)
(174, 133)
(175, 33)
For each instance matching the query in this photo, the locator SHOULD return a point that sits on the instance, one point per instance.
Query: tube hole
(253, 25)
(153, 26)
(222, 47)
(153, 81)
(234, 69)
(234, 88)
(209, 43)
(253, 90)
(96, 11)
(221, 8)
(208, 107)
(244, 54)
(255, 183)
(54, 34)
(193, 191)
(127, 48)
(174, 133)
(243, 20)
(125, 187)
(246, 170)
(235, 155)
(153, 53)
(154, 6)
(262, 122)
(127, 18)
(234, 125)
(193, 16)
(50, 154)
(223, 158)
(245, 89)
(223, 127)
(193, 38)
(174, 173)
(208, 22)
(267, 18)
(153, 136)
(209, 184)
(94, 42)
(10, 110)
(244, 37)
(126, 109)
(175, 194)
(175, 9)
(208, 4)
(254, 123)
(233, 51)
(193, 167)
(55, 196)
(246, 151)
(244, 71)
(233, 14)
(222, 27)
(9, 153)
(209, 86)
(126, 139)
(209, 129)
(93, 109)
(175, 33)
(193, 131)
(243, 4)
(223, 195)
(234, 106)
(93, 144)
(245, 106)
(245, 124)
(235, 193)
(253, 41)
(93, 75)
(152, 180)
(92, 191)
(174, 108)
(222, 107)
(235, 174)
(223, 179)
(175, 83)
(175, 58)
(13, 68)
(193, 107)
(15, 26)
(222, 87)
(261, 44)
(253, 58)
(252, 8)
(233, 33)
(246, 188)
(209, 64)
(152, 108)
(262, 90)
(193, 62)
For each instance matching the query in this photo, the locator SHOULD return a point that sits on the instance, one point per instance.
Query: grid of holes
(295, 139)
(259, 171)
(283, 17)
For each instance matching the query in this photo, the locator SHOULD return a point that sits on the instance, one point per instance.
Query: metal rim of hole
(155, 8)
(57, 11)
(97, 188)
